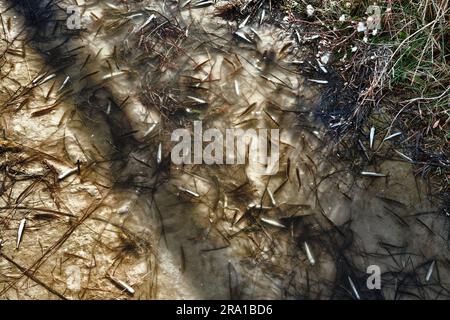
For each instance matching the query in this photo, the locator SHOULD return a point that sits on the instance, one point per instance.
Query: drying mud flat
(92, 207)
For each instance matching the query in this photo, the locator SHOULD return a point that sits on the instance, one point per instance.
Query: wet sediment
(224, 231)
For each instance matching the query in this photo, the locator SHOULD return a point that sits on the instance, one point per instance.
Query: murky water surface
(106, 214)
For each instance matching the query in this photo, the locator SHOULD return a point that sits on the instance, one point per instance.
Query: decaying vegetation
(87, 182)
(397, 75)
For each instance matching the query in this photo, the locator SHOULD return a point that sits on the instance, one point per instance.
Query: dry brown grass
(401, 73)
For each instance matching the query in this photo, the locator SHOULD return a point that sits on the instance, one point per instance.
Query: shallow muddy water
(109, 215)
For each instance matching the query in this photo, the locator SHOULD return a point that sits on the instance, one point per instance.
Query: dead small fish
(263, 14)
(404, 156)
(299, 38)
(38, 78)
(190, 192)
(243, 23)
(159, 154)
(313, 37)
(309, 254)
(150, 129)
(48, 78)
(67, 173)
(430, 271)
(352, 285)
(273, 222)
(372, 174)
(259, 207)
(197, 100)
(64, 83)
(236, 88)
(121, 284)
(134, 15)
(203, 3)
(243, 36)
(108, 109)
(272, 198)
(321, 66)
(113, 75)
(392, 136)
(318, 81)
(372, 136)
(20, 232)
(112, 6)
(185, 3)
(150, 19)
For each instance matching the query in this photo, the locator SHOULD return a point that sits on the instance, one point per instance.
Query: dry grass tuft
(400, 71)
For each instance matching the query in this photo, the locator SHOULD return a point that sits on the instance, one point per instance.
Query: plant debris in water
(93, 208)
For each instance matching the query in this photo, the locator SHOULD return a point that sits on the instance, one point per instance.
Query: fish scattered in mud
(311, 234)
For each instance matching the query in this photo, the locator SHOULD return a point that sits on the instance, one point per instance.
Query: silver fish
(242, 35)
(243, 23)
(309, 254)
(123, 285)
(404, 156)
(352, 285)
(372, 174)
(67, 173)
(190, 192)
(64, 83)
(197, 99)
(146, 22)
(263, 14)
(272, 198)
(392, 136)
(236, 88)
(203, 3)
(273, 222)
(159, 154)
(430, 271)
(318, 81)
(372, 136)
(20, 231)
